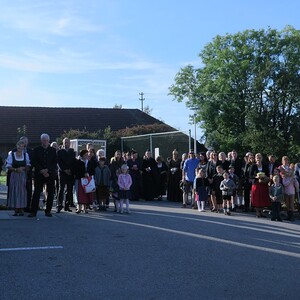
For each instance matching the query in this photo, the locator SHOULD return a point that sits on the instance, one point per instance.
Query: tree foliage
(113, 138)
(247, 93)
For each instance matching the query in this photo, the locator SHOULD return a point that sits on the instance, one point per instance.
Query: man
(272, 164)
(44, 163)
(65, 160)
(188, 176)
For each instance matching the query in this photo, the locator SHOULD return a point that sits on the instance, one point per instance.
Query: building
(33, 121)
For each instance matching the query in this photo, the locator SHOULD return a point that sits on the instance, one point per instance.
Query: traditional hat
(260, 175)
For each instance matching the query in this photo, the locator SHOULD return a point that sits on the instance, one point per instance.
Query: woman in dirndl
(18, 164)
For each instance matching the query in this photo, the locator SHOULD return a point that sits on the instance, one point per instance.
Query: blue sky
(79, 53)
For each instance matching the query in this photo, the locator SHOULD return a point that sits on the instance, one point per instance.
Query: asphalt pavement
(159, 251)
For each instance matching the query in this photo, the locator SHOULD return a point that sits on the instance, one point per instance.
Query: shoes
(202, 210)
(68, 209)
(32, 215)
(228, 213)
(213, 210)
(279, 220)
(273, 219)
(48, 214)
(86, 212)
(58, 209)
(183, 206)
(78, 211)
(21, 214)
(15, 214)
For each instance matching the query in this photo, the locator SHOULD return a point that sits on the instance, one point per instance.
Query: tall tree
(247, 93)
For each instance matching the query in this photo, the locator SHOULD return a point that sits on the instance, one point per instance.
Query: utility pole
(142, 99)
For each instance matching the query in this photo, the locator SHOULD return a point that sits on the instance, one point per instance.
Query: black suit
(65, 160)
(43, 158)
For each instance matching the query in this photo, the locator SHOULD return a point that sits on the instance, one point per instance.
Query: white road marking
(31, 248)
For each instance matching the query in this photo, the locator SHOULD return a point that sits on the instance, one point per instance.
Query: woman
(259, 172)
(82, 169)
(134, 166)
(149, 176)
(93, 164)
(223, 161)
(18, 164)
(115, 169)
(174, 193)
(161, 177)
(247, 181)
(288, 181)
(211, 170)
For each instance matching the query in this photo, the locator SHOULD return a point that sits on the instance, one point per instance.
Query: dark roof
(55, 120)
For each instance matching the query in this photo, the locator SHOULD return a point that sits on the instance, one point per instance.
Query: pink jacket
(289, 186)
(124, 181)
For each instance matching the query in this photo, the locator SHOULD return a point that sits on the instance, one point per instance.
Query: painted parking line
(31, 248)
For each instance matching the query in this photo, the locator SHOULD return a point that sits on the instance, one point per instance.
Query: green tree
(113, 138)
(246, 95)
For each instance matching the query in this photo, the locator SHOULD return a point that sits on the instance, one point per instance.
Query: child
(227, 187)
(276, 194)
(102, 180)
(235, 179)
(200, 186)
(124, 183)
(217, 179)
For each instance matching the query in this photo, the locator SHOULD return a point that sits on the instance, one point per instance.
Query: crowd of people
(227, 183)
(204, 181)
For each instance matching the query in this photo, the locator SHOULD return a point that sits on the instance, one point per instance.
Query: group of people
(58, 172)
(227, 183)
(215, 180)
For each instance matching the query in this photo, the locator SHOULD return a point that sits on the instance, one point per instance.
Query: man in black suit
(44, 163)
(272, 164)
(65, 160)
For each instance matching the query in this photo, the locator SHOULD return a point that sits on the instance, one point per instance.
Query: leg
(127, 206)
(51, 190)
(38, 188)
(61, 191)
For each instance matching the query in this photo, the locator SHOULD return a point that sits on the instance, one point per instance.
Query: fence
(159, 143)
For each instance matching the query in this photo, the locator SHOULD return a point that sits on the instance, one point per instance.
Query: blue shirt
(189, 168)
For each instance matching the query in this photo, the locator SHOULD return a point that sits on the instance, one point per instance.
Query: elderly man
(65, 159)
(44, 163)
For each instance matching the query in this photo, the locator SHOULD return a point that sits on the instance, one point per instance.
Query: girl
(124, 183)
(200, 186)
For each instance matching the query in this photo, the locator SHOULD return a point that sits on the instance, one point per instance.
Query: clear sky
(98, 53)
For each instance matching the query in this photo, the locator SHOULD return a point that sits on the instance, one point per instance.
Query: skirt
(124, 194)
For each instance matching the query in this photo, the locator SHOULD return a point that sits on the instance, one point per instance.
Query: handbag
(88, 184)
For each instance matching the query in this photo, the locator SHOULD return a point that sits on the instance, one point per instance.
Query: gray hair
(45, 136)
